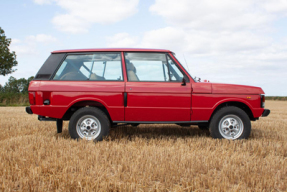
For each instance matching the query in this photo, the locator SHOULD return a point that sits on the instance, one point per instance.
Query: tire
(89, 123)
(134, 124)
(203, 126)
(230, 123)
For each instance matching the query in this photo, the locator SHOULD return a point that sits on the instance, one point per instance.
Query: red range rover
(98, 88)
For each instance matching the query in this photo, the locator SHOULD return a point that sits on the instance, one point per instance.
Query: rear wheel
(230, 123)
(89, 123)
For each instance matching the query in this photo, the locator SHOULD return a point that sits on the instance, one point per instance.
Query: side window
(175, 73)
(94, 67)
(146, 67)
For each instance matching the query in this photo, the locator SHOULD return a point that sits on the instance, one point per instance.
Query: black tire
(228, 113)
(91, 112)
(134, 124)
(203, 126)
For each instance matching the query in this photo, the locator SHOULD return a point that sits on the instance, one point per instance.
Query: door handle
(125, 99)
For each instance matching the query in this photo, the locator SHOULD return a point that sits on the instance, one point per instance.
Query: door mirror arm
(183, 83)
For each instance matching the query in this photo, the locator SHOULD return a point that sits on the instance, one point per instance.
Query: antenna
(186, 63)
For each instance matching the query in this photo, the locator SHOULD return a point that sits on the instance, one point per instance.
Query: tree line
(15, 92)
(16, 85)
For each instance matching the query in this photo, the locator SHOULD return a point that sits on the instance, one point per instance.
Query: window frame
(166, 56)
(89, 53)
(187, 75)
(179, 68)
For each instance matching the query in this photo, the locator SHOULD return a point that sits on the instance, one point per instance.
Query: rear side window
(93, 67)
(49, 66)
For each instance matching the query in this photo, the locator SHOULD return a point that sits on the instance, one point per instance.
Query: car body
(134, 86)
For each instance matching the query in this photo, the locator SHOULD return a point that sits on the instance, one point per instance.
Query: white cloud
(122, 40)
(41, 2)
(198, 43)
(30, 44)
(167, 38)
(223, 41)
(220, 14)
(41, 38)
(80, 15)
(275, 6)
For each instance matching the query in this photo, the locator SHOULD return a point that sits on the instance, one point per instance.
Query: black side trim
(125, 99)
(161, 122)
(29, 110)
(265, 113)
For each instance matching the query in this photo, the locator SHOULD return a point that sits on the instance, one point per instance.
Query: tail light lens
(262, 101)
(32, 98)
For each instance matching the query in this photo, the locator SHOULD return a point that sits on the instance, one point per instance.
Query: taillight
(262, 101)
(32, 98)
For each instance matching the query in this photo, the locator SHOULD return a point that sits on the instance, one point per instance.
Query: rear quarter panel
(63, 94)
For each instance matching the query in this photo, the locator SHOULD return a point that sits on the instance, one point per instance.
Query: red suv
(99, 88)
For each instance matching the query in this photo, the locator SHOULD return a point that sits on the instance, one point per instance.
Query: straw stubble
(147, 158)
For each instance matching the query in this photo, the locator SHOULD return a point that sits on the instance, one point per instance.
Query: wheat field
(148, 158)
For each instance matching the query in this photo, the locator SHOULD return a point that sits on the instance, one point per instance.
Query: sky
(223, 41)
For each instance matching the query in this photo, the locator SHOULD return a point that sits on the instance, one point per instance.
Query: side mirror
(183, 83)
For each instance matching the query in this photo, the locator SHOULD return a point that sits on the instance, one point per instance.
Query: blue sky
(239, 41)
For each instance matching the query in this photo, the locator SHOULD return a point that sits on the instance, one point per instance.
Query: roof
(110, 50)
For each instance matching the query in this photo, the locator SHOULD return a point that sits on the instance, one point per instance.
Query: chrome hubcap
(231, 127)
(88, 127)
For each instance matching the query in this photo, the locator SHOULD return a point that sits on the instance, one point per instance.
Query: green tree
(25, 84)
(7, 58)
(17, 85)
(11, 86)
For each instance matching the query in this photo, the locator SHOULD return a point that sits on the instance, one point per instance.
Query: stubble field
(33, 157)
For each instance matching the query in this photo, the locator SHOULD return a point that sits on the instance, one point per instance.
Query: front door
(155, 91)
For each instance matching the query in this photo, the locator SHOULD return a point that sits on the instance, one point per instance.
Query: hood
(219, 88)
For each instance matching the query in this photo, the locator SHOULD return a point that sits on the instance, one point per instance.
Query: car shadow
(148, 131)
(155, 131)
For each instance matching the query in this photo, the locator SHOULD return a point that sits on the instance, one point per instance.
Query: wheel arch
(236, 103)
(86, 102)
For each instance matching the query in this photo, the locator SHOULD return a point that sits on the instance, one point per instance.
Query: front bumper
(29, 110)
(265, 113)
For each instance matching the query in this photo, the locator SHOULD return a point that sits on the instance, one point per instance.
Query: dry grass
(149, 158)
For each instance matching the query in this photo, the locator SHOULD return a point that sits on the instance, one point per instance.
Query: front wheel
(230, 123)
(89, 123)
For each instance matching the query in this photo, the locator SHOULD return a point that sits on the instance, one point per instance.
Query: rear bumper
(29, 110)
(265, 113)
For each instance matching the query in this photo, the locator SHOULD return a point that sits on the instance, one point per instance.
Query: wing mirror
(183, 82)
